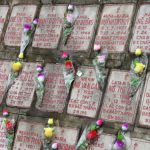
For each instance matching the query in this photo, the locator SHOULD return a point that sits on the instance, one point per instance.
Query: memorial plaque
(20, 15)
(82, 34)
(145, 104)
(28, 136)
(55, 90)
(141, 32)
(3, 140)
(139, 144)
(86, 94)
(118, 106)
(114, 27)
(5, 69)
(3, 14)
(21, 93)
(104, 142)
(66, 137)
(48, 31)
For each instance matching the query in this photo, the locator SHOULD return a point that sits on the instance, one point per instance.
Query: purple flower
(70, 18)
(41, 77)
(101, 58)
(27, 27)
(119, 145)
(39, 68)
(125, 126)
(36, 21)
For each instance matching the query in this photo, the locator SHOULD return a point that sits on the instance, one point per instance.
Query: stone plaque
(5, 69)
(20, 15)
(48, 31)
(117, 104)
(21, 93)
(66, 137)
(3, 14)
(141, 32)
(114, 27)
(104, 142)
(85, 95)
(82, 34)
(28, 136)
(145, 104)
(55, 90)
(139, 144)
(3, 141)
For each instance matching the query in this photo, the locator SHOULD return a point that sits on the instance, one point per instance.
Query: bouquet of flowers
(138, 71)
(99, 62)
(69, 20)
(40, 78)
(9, 125)
(69, 71)
(90, 134)
(123, 140)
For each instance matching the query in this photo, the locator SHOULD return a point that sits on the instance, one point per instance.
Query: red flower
(91, 135)
(9, 125)
(68, 64)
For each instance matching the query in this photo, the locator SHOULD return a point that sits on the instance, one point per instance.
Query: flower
(5, 112)
(41, 77)
(68, 64)
(48, 132)
(91, 135)
(64, 55)
(99, 122)
(27, 27)
(39, 68)
(21, 55)
(50, 121)
(9, 125)
(16, 66)
(101, 58)
(36, 21)
(70, 7)
(138, 52)
(125, 126)
(55, 146)
(70, 18)
(97, 47)
(119, 145)
(139, 68)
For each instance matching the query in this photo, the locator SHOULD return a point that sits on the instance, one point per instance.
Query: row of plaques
(85, 97)
(29, 136)
(113, 31)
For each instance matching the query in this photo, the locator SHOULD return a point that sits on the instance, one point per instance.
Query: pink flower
(101, 58)
(55, 146)
(5, 112)
(70, 18)
(97, 47)
(64, 55)
(99, 122)
(39, 68)
(27, 27)
(125, 126)
(36, 21)
(41, 77)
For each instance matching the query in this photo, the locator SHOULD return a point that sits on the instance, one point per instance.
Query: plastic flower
(27, 27)
(21, 56)
(68, 64)
(9, 125)
(101, 58)
(70, 7)
(99, 122)
(139, 68)
(50, 121)
(36, 21)
(48, 132)
(119, 145)
(54, 146)
(41, 77)
(70, 18)
(97, 47)
(64, 55)
(125, 127)
(39, 68)
(138, 52)
(91, 135)
(16, 66)
(5, 112)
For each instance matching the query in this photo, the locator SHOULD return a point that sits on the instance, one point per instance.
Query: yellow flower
(21, 56)
(138, 52)
(16, 66)
(139, 68)
(48, 132)
(50, 121)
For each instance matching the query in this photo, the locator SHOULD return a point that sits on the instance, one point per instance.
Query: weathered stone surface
(48, 31)
(118, 106)
(145, 104)
(3, 141)
(66, 137)
(139, 144)
(104, 142)
(114, 27)
(21, 93)
(55, 90)
(81, 36)
(5, 69)
(85, 95)
(3, 14)
(141, 38)
(28, 136)
(20, 15)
